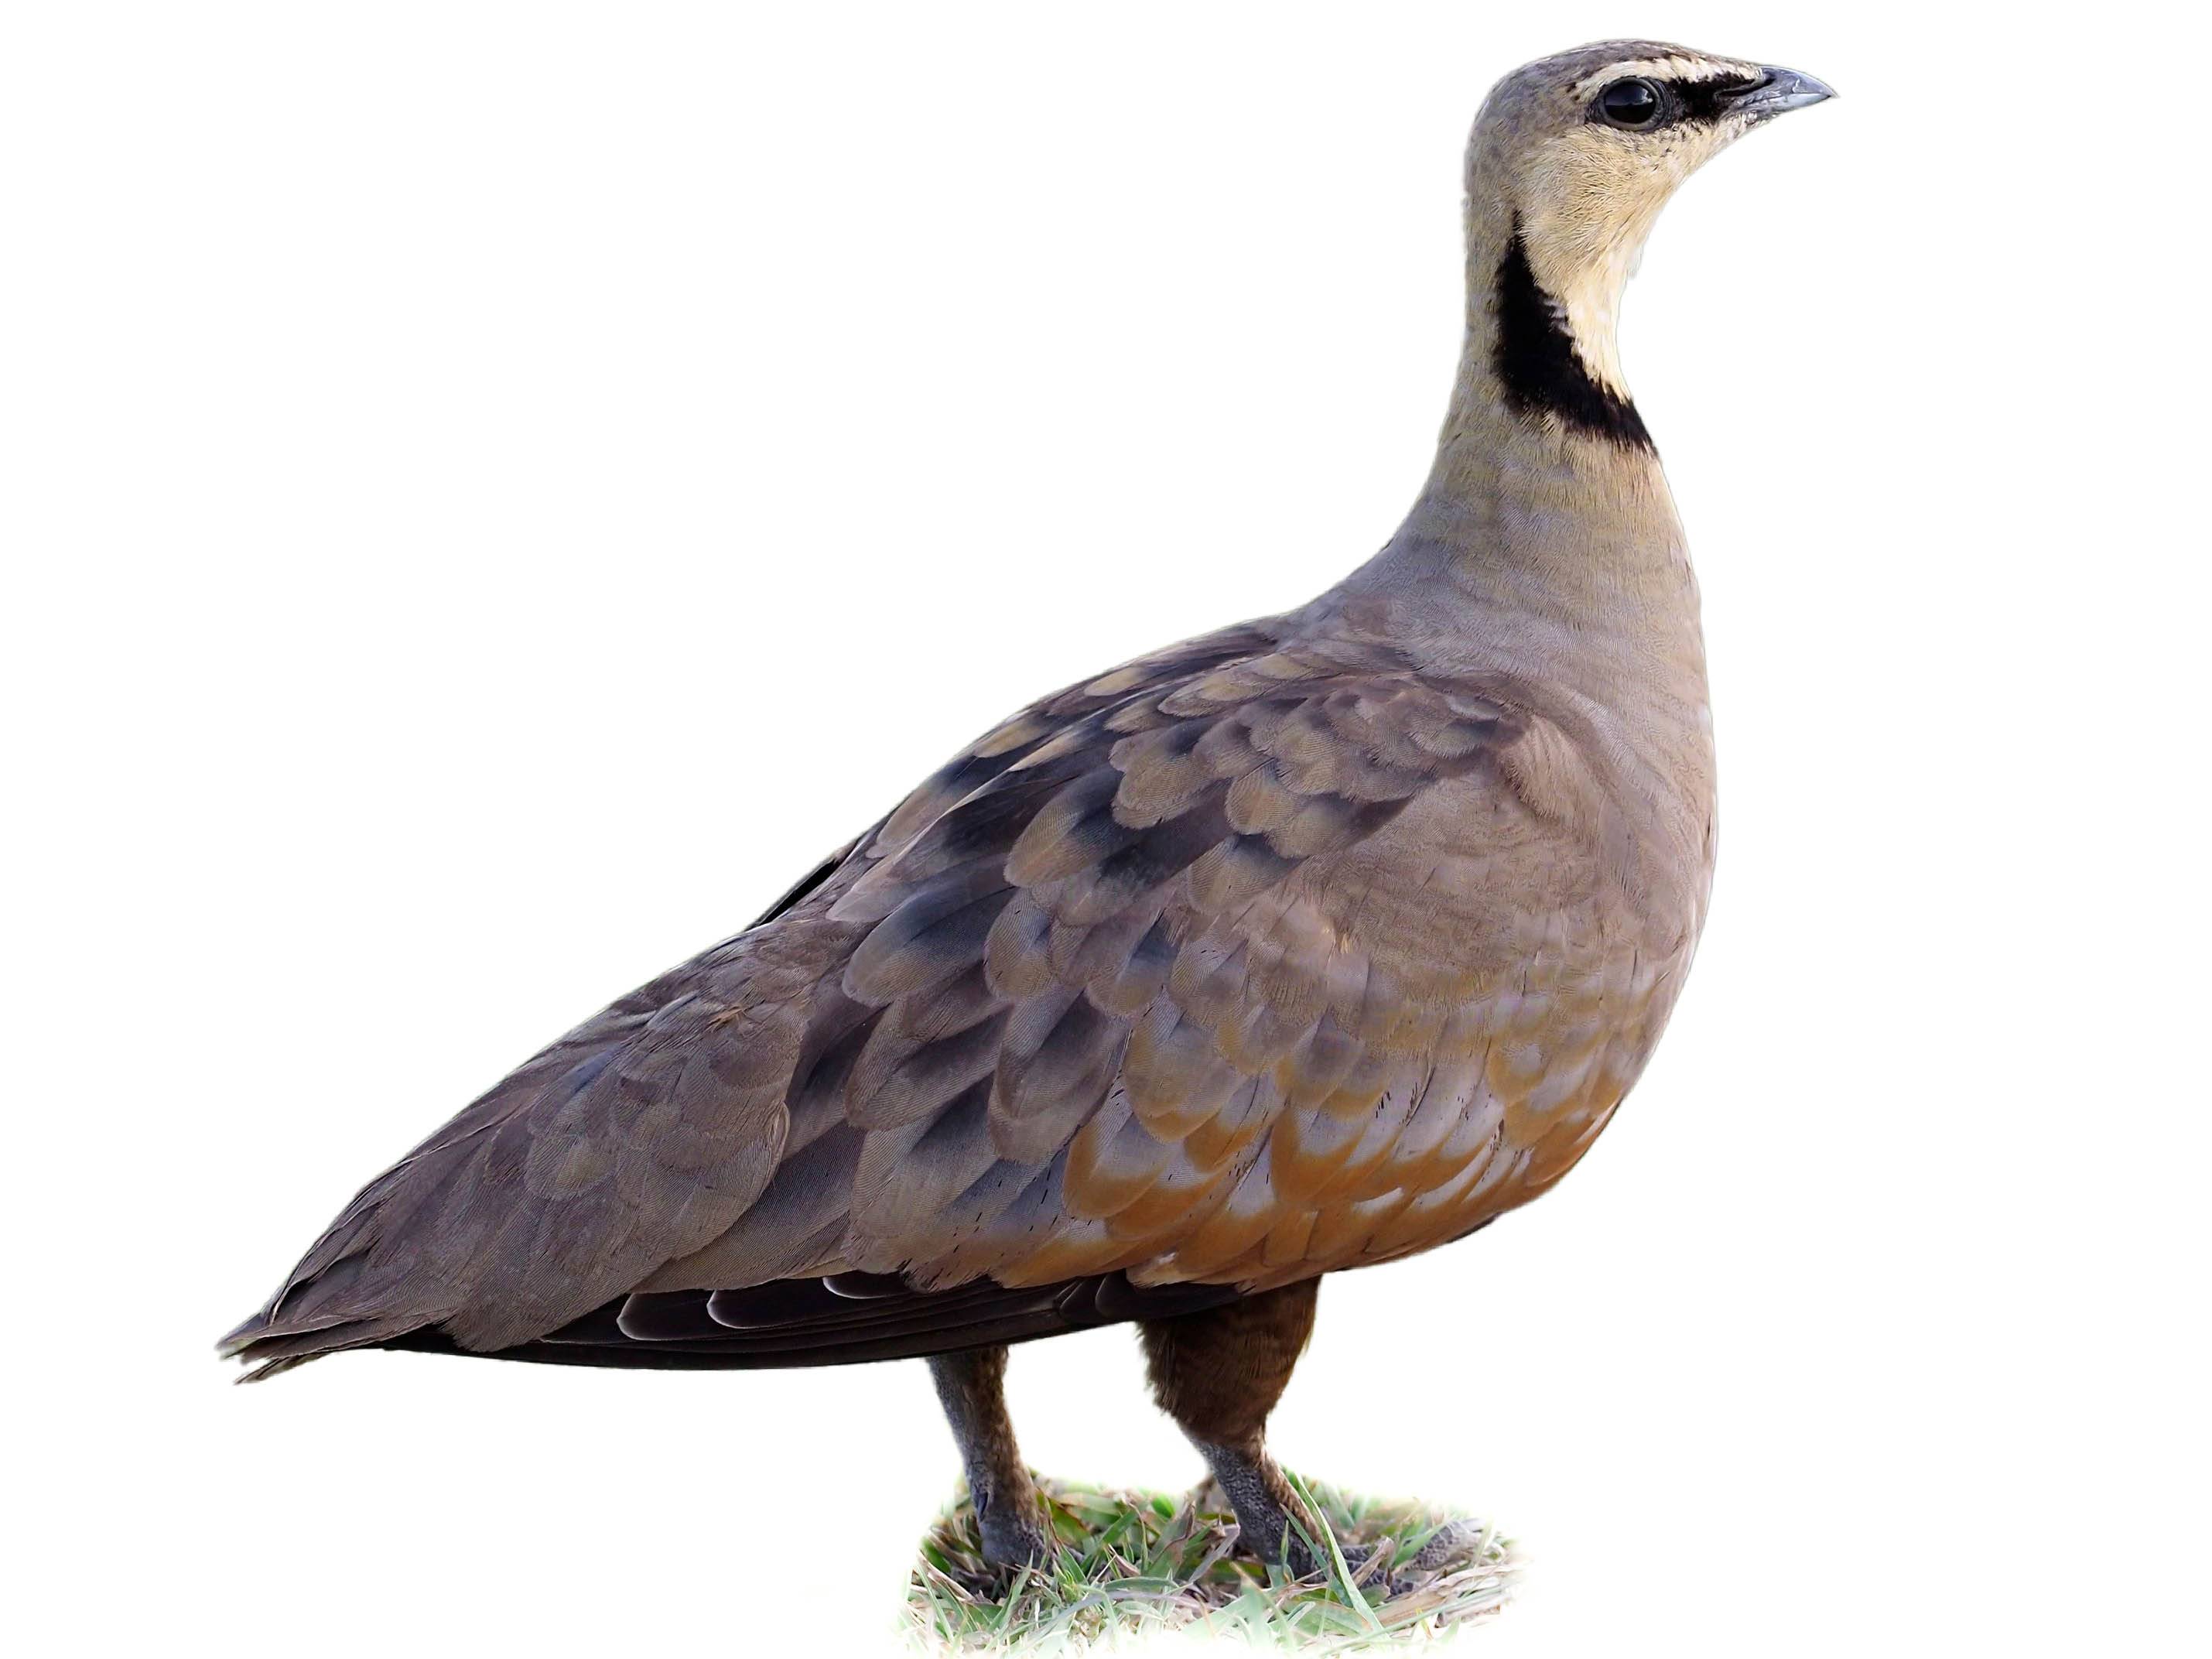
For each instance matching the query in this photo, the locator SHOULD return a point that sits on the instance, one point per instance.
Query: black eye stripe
(1708, 100)
(1703, 101)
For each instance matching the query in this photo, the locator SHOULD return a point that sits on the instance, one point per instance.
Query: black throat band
(1537, 363)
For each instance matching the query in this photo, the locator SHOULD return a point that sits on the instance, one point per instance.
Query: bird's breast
(1531, 951)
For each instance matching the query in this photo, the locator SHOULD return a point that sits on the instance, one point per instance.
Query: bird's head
(1574, 156)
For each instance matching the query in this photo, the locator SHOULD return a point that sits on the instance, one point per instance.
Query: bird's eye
(1633, 102)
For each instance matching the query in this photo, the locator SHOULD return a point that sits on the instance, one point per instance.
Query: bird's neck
(1545, 532)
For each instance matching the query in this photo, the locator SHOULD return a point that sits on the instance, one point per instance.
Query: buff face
(1589, 147)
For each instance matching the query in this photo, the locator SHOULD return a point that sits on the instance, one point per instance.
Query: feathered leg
(972, 1386)
(1219, 1374)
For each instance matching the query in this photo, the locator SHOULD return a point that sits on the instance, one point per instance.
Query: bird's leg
(1219, 1373)
(972, 1386)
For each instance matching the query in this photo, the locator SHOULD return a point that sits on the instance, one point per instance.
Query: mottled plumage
(1316, 941)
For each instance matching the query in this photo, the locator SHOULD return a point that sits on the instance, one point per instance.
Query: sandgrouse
(1302, 946)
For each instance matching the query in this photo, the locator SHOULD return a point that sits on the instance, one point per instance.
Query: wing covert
(1096, 983)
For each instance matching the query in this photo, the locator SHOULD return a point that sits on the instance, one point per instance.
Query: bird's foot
(1379, 1570)
(1013, 1528)
(1365, 1564)
(1275, 1524)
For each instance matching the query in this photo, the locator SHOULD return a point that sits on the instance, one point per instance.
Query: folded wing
(1155, 986)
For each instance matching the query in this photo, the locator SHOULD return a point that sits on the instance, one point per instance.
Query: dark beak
(1778, 92)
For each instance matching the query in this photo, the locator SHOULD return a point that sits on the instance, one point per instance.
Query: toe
(1448, 1540)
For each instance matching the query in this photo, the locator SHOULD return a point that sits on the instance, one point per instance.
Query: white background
(493, 493)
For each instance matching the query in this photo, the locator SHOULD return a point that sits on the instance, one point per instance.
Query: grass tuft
(1132, 1565)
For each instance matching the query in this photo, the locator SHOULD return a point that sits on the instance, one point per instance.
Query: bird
(1300, 946)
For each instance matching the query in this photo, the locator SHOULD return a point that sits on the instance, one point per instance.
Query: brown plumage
(1302, 946)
